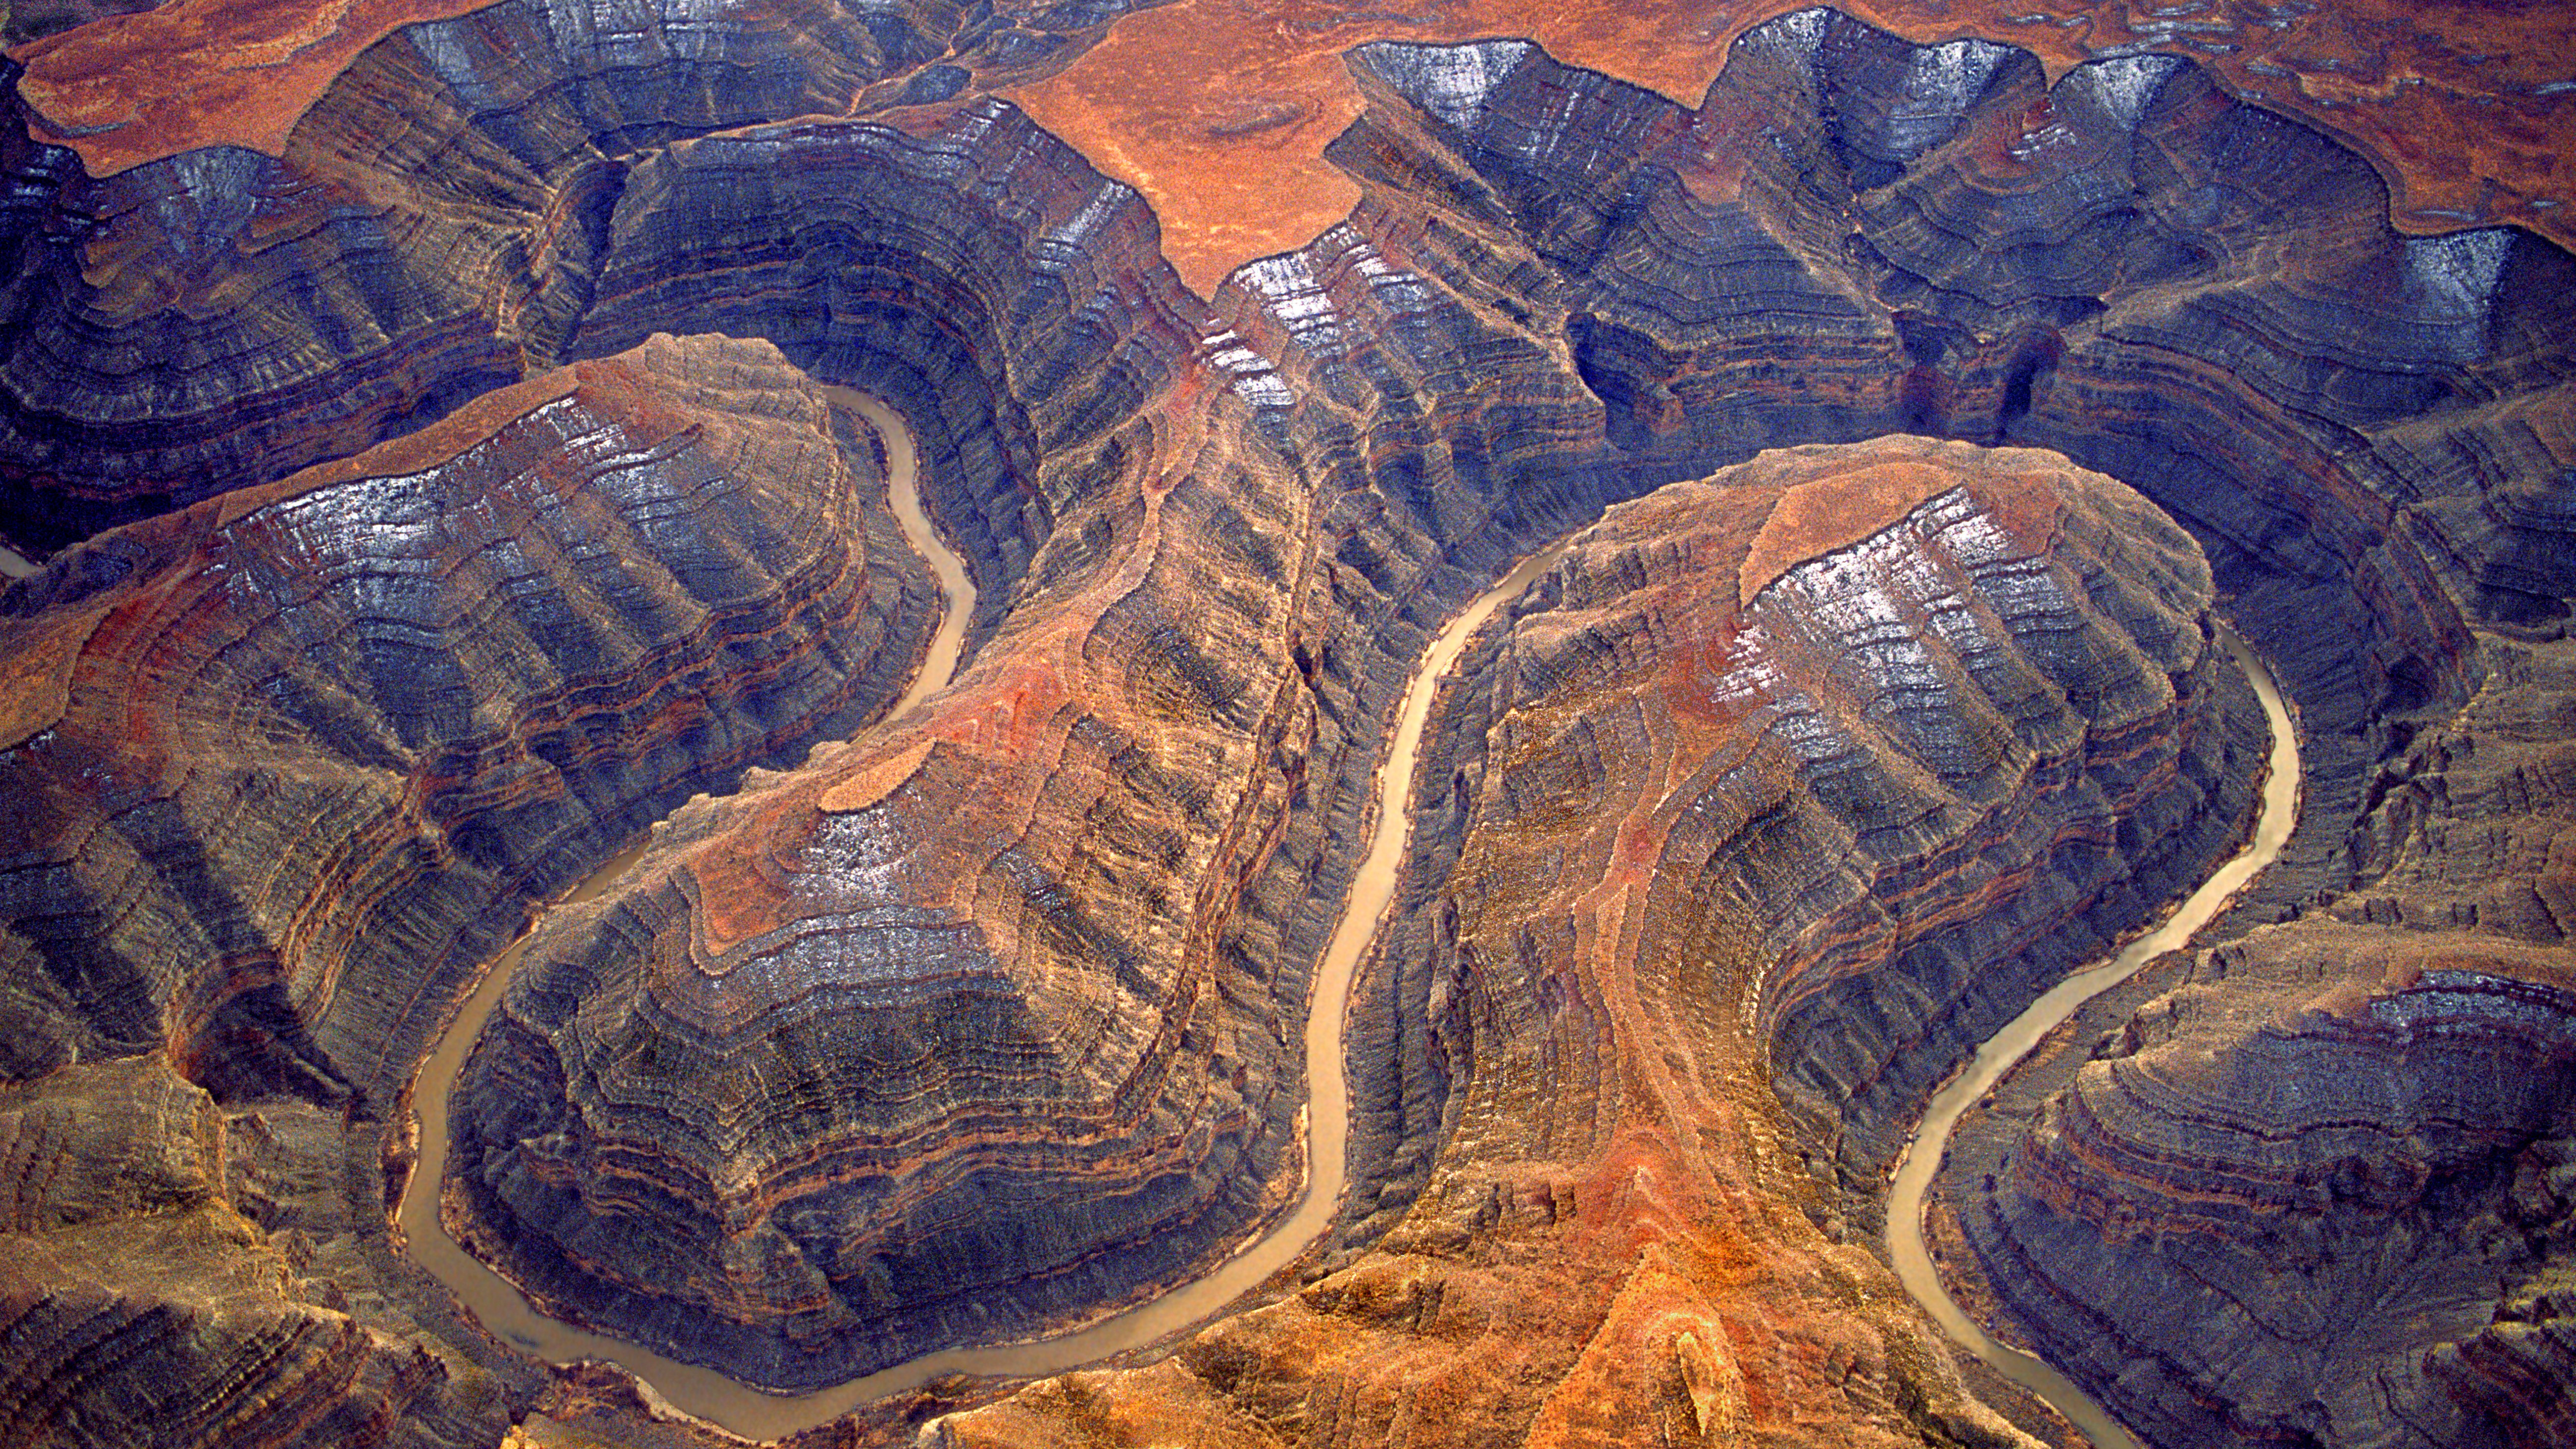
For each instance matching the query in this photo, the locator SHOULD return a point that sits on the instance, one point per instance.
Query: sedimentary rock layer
(2324, 1183)
(2358, 1120)
(1754, 738)
(140, 1304)
(226, 316)
(1228, 531)
(939, 1039)
(2455, 105)
(2085, 264)
(274, 760)
(192, 75)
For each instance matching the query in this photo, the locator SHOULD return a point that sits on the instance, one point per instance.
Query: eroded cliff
(1832, 707)
(1091, 882)
(284, 766)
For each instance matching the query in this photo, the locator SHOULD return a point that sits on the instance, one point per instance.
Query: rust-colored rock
(2358, 1118)
(272, 759)
(1225, 529)
(943, 1038)
(139, 1304)
(1688, 842)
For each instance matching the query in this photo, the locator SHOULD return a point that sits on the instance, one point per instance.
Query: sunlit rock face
(2328, 1181)
(273, 760)
(1006, 956)
(224, 317)
(1754, 739)
(2358, 1120)
(144, 1303)
(960, 1033)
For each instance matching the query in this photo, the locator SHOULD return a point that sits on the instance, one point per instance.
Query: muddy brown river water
(1922, 1159)
(706, 1394)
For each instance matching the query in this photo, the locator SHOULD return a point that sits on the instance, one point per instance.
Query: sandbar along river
(709, 1395)
(1914, 1171)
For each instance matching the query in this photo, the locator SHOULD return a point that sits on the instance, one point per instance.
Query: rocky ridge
(284, 766)
(1557, 291)
(1838, 704)
(2407, 1232)
(950, 1036)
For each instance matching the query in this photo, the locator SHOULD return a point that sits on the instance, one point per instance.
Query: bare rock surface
(944, 1038)
(280, 767)
(141, 1305)
(280, 789)
(2319, 1175)
(267, 754)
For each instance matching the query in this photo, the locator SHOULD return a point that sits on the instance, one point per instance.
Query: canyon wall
(285, 766)
(303, 740)
(2356, 1118)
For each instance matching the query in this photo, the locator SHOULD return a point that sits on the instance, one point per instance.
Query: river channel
(706, 1394)
(1922, 1159)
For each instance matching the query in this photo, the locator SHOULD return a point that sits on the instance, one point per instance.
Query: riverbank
(1906, 1239)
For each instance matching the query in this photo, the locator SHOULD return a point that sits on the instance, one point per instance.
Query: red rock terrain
(1219, 110)
(399, 573)
(1755, 737)
(952, 1035)
(281, 764)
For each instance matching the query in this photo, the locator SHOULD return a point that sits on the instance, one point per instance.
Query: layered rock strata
(431, 224)
(1756, 736)
(1520, 217)
(1556, 292)
(144, 1301)
(2358, 1120)
(947, 1037)
(270, 757)
(282, 767)
(2128, 356)
(192, 75)
(2322, 1184)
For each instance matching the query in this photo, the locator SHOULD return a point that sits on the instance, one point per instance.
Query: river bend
(2002, 1051)
(706, 1394)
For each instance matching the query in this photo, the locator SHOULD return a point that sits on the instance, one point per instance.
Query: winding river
(1922, 1159)
(706, 1394)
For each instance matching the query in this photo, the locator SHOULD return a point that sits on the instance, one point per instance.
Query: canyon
(1693, 611)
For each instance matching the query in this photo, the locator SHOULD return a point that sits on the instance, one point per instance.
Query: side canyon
(465, 494)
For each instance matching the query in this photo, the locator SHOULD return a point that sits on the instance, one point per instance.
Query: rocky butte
(446, 485)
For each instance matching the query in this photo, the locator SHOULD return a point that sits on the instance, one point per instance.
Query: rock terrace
(401, 571)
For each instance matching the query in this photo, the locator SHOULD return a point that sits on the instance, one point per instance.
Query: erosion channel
(1906, 1243)
(710, 1395)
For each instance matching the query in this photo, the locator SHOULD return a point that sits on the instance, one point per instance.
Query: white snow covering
(2457, 274)
(1453, 81)
(1940, 83)
(2123, 87)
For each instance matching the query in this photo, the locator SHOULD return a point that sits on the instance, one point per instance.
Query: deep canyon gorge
(754, 665)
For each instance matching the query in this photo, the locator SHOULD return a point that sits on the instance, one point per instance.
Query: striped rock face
(399, 575)
(908, 1049)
